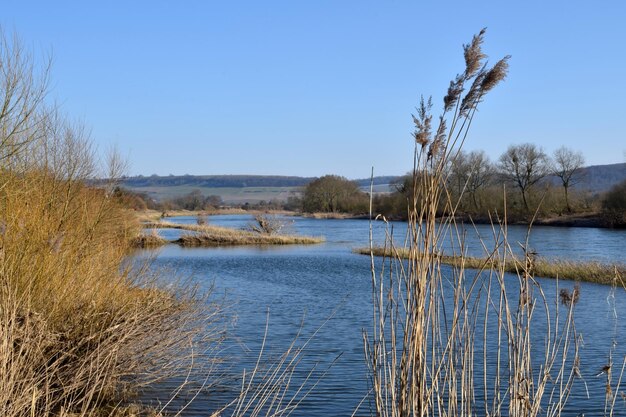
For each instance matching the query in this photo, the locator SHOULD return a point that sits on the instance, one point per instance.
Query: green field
(233, 195)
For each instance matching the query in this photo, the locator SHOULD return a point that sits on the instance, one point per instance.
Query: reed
(445, 341)
(81, 327)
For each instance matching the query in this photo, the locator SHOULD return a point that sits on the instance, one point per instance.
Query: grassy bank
(208, 235)
(589, 271)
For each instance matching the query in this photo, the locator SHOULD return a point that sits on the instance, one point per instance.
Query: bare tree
(22, 91)
(524, 165)
(481, 174)
(567, 166)
(469, 173)
(459, 175)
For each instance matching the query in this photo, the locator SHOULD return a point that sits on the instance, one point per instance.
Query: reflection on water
(303, 286)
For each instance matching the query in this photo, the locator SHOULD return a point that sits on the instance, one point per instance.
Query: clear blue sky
(315, 87)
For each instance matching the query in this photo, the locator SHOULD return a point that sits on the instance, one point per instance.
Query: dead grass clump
(78, 329)
(242, 238)
(148, 240)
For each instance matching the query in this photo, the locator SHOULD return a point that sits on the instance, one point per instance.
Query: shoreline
(589, 219)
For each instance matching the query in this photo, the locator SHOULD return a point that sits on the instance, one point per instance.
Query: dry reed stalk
(269, 389)
(429, 328)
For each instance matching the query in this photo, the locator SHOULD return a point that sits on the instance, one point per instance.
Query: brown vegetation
(591, 271)
(208, 235)
(81, 328)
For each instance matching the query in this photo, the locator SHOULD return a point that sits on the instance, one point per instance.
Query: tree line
(524, 179)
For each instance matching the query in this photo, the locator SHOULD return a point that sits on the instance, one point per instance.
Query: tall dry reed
(453, 342)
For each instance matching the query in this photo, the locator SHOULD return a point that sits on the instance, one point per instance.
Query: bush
(614, 206)
(80, 326)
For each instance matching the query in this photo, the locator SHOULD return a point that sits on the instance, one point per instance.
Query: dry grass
(148, 240)
(590, 271)
(81, 327)
(451, 343)
(78, 328)
(208, 235)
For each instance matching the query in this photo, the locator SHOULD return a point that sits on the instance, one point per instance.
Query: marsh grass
(148, 240)
(209, 235)
(80, 327)
(589, 271)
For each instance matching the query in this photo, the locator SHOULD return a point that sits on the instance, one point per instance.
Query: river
(326, 288)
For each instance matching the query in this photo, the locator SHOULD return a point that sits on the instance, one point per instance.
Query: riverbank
(156, 215)
(595, 272)
(589, 219)
(209, 236)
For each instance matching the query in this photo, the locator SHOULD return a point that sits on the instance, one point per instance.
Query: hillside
(599, 178)
(238, 189)
(216, 181)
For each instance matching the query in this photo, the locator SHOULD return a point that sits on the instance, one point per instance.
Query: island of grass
(211, 236)
(589, 271)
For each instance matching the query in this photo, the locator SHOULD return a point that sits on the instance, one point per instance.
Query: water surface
(305, 287)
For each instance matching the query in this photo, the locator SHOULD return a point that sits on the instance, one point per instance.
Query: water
(300, 288)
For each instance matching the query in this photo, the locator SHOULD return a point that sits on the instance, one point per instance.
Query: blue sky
(316, 87)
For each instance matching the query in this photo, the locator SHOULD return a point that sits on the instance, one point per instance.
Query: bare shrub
(81, 327)
(266, 225)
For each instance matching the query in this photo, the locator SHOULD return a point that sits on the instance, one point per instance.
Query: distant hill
(599, 178)
(233, 189)
(216, 181)
(237, 189)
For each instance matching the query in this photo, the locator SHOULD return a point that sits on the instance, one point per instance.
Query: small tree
(482, 172)
(524, 165)
(22, 91)
(567, 166)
